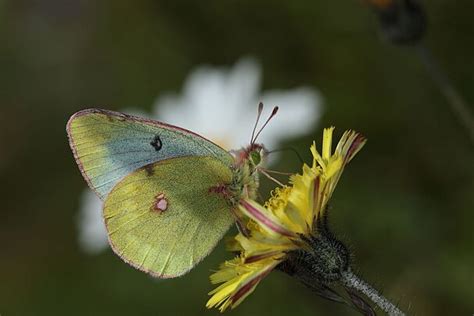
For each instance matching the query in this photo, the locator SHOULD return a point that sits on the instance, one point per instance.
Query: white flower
(221, 105)
(92, 232)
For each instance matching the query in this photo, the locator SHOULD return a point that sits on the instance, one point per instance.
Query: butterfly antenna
(266, 174)
(276, 172)
(259, 113)
(288, 148)
(274, 112)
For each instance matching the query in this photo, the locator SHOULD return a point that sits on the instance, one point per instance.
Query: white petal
(200, 104)
(92, 232)
(244, 85)
(300, 110)
(214, 102)
(172, 109)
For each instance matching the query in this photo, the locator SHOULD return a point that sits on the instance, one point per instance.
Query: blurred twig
(403, 23)
(457, 103)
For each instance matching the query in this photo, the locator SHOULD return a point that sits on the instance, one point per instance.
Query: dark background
(405, 204)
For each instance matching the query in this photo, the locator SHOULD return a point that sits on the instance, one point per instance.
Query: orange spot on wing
(160, 203)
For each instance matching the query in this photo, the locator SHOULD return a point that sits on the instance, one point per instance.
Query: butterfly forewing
(165, 217)
(109, 145)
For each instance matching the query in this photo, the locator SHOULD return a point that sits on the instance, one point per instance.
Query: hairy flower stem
(351, 280)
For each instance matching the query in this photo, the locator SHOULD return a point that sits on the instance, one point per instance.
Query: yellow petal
(236, 289)
(264, 218)
(317, 157)
(327, 142)
(333, 167)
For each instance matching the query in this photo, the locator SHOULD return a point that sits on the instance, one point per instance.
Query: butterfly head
(253, 156)
(256, 154)
(249, 161)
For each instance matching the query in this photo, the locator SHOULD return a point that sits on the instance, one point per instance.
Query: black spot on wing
(149, 170)
(156, 143)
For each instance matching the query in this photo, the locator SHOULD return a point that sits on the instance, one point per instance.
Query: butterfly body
(169, 194)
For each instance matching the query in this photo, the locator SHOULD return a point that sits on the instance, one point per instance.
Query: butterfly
(169, 194)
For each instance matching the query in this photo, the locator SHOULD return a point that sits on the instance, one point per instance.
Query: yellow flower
(286, 223)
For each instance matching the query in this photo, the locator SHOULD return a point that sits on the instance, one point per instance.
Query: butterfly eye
(255, 157)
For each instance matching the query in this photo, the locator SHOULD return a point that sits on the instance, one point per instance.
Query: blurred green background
(405, 204)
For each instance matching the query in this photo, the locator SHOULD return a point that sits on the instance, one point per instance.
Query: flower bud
(402, 22)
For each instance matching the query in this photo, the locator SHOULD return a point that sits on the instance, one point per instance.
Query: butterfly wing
(167, 216)
(109, 145)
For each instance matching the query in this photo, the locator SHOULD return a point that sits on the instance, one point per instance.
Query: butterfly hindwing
(167, 216)
(109, 145)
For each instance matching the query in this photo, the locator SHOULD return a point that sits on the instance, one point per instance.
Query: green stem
(351, 280)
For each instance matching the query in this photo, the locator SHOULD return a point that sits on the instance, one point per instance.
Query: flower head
(288, 224)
